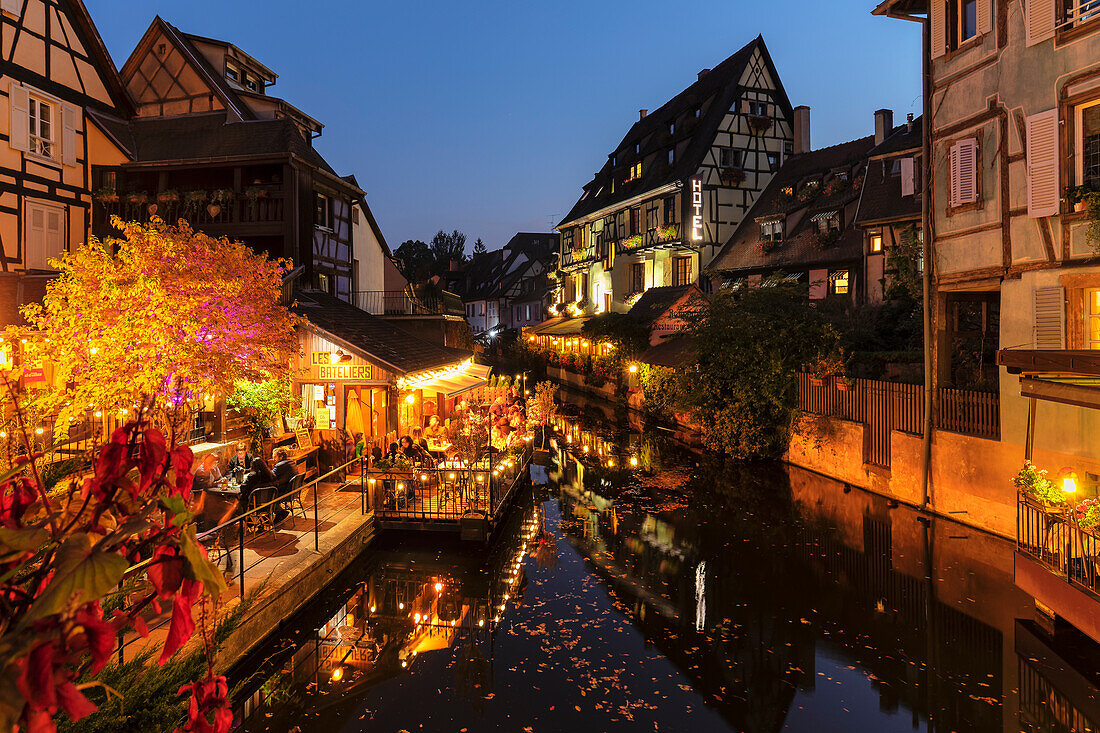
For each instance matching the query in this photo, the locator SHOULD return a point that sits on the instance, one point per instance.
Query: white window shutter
(953, 175)
(34, 250)
(19, 135)
(938, 22)
(12, 7)
(55, 233)
(964, 172)
(1039, 20)
(1050, 318)
(985, 16)
(70, 117)
(907, 188)
(1042, 164)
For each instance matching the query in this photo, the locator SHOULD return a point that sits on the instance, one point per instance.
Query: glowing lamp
(423, 477)
(372, 481)
(400, 606)
(400, 487)
(372, 609)
(334, 358)
(337, 674)
(416, 617)
(633, 461)
(438, 587)
(633, 368)
(1069, 479)
(411, 399)
(38, 431)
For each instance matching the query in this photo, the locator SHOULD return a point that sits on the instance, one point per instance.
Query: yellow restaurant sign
(326, 366)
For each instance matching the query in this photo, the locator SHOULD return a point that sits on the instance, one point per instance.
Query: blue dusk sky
(488, 117)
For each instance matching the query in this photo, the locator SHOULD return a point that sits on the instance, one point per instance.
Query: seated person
(207, 474)
(517, 397)
(284, 469)
(375, 453)
(418, 438)
(393, 452)
(241, 459)
(409, 449)
(434, 431)
(257, 476)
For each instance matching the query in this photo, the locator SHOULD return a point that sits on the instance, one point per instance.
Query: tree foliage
(743, 384)
(164, 314)
(479, 247)
(414, 259)
(622, 330)
(262, 403)
(62, 557)
(447, 248)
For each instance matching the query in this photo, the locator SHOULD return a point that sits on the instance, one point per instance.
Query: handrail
(276, 500)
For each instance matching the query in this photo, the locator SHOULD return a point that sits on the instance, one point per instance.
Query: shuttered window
(985, 16)
(1039, 20)
(938, 20)
(963, 161)
(11, 7)
(41, 125)
(907, 187)
(1050, 318)
(44, 234)
(1042, 164)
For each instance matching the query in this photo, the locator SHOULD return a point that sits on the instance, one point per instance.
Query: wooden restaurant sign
(326, 366)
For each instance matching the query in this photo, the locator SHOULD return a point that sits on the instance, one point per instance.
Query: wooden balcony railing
(395, 303)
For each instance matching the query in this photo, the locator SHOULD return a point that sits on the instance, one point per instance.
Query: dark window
(773, 162)
(671, 155)
(635, 221)
(729, 158)
(323, 212)
(681, 273)
(670, 210)
(637, 277)
(968, 20)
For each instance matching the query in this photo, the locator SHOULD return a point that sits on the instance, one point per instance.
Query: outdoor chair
(264, 519)
(295, 500)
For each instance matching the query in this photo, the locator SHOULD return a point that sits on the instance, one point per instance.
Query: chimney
(703, 73)
(801, 129)
(884, 125)
(642, 113)
(909, 122)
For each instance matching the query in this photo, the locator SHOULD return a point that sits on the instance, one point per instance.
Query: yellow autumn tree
(158, 319)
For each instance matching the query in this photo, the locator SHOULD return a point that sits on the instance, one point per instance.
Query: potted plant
(252, 194)
(1092, 209)
(1087, 514)
(733, 176)
(825, 239)
(192, 203)
(826, 366)
(1034, 484)
(844, 383)
(760, 123)
(169, 196)
(1078, 197)
(106, 195)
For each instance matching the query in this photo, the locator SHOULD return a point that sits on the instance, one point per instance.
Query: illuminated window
(876, 243)
(1092, 318)
(681, 273)
(839, 282)
(772, 231)
(322, 282)
(635, 172)
(1087, 143)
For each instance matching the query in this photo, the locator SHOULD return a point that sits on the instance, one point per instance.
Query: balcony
(575, 257)
(400, 304)
(666, 237)
(257, 209)
(1058, 562)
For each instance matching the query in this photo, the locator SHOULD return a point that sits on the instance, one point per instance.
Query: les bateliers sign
(322, 368)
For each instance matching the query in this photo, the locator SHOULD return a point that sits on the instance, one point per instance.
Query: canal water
(639, 587)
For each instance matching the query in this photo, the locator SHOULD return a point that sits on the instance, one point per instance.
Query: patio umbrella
(353, 421)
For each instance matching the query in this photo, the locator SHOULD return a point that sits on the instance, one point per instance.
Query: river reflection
(643, 589)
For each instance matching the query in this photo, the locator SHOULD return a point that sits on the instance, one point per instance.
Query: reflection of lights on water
(481, 622)
(438, 587)
(337, 674)
(372, 609)
(400, 606)
(404, 664)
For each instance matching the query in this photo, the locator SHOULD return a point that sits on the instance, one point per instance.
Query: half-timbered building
(676, 187)
(830, 219)
(57, 79)
(212, 145)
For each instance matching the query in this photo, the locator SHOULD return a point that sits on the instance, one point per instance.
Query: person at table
(207, 474)
(258, 475)
(434, 431)
(242, 459)
(284, 469)
(418, 439)
(517, 397)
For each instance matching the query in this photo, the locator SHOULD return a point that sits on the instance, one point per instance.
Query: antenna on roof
(551, 219)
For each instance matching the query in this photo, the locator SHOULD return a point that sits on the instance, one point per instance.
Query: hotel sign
(323, 368)
(696, 209)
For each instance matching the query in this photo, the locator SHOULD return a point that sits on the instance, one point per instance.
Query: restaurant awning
(559, 327)
(454, 383)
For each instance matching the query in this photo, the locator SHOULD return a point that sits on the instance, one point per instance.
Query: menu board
(304, 440)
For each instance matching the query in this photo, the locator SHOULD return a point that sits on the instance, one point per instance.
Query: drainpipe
(926, 253)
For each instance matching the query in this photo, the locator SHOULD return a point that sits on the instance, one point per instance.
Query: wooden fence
(887, 406)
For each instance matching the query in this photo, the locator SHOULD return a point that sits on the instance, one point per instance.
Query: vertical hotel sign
(697, 209)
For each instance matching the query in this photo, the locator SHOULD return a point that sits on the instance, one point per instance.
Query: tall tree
(414, 259)
(479, 247)
(158, 320)
(447, 248)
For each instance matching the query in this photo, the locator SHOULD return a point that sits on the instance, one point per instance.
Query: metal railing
(446, 493)
(400, 303)
(229, 539)
(887, 406)
(1052, 537)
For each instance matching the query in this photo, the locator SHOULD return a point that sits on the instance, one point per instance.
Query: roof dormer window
(637, 148)
(232, 73)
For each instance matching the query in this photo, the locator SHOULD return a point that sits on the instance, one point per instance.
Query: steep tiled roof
(797, 248)
(393, 348)
(882, 200)
(655, 302)
(713, 94)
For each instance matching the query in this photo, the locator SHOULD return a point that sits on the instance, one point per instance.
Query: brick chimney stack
(884, 125)
(801, 129)
(642, 113)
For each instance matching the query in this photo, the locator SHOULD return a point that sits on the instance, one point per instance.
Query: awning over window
(733, 283)
(454, 382)
(839, 274)
(822, 215)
